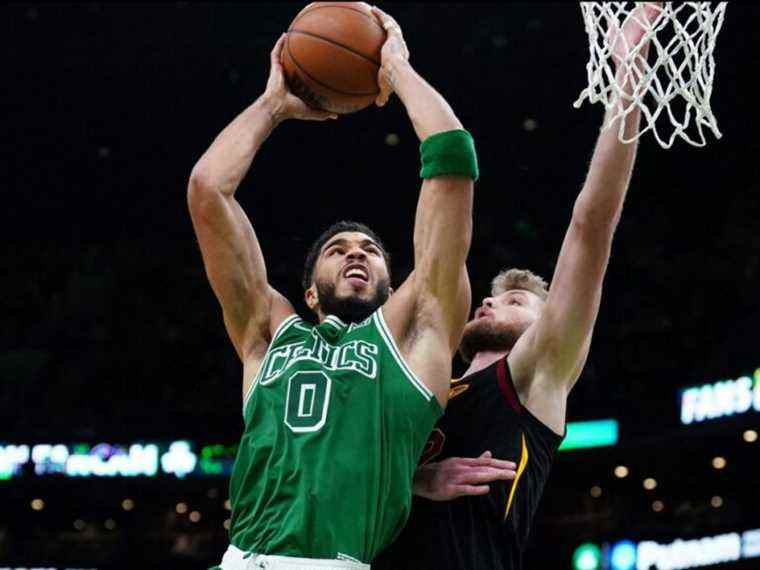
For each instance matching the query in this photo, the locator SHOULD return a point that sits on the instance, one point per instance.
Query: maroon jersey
(486, 532)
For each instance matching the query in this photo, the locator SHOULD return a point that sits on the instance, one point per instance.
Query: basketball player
(526, 348)
(337, 414)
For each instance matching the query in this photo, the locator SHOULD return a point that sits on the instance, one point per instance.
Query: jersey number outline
(307, 400)
(433, 447)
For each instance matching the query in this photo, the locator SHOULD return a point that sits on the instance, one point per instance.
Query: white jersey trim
(335, 321)
(284, 325)
(388, 338)
(237, 559)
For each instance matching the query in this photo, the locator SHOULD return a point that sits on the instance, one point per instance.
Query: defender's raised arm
(231, 252)
(556, 349)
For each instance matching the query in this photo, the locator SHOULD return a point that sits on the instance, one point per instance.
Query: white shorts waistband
(236, 559)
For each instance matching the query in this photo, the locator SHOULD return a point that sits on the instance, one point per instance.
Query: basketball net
(675, 80)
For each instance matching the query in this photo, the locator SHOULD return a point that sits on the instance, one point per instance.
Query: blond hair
(509, 279)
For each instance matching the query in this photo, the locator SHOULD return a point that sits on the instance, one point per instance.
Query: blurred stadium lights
(680, 553)
(720, 399)
(596, 433)
(110, 460)
(180, 458)
(587, 557)
(623, 555)
(46, 567)
(530, 124)
(621, 471)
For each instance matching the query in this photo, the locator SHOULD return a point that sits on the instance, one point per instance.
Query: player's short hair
(337, 228)
(509, 279)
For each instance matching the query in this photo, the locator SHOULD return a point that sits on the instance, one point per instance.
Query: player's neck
(484, 359)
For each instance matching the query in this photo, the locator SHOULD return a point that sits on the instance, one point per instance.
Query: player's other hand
(283, 104)
(461, 476)
(394, 51)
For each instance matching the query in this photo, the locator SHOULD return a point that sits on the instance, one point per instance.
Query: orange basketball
(332, 55)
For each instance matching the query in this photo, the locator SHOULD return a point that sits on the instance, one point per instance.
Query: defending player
(526, 347)
(336, 415)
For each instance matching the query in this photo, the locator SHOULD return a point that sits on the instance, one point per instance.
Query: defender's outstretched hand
(461, 476)
(634, 27)
(394, 49)
(285, 104)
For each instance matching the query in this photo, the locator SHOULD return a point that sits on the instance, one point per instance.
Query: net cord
(683, 67)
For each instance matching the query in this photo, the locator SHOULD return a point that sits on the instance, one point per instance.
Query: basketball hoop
(675, 87)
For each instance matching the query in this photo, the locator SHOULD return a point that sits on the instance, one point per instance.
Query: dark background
(110, 331)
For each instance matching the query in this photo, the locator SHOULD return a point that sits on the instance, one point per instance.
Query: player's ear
(391, 291)
(311, 297)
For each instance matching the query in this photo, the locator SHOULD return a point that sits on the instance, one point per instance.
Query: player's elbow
(201, 193)
(200, 179)
(594, 220)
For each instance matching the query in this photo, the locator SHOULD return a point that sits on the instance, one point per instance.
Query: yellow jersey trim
(524, 456)
(456, 390)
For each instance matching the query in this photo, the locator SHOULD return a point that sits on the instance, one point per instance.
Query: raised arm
(429, 311)
(231, 252)
(557, 345)
(443, 221)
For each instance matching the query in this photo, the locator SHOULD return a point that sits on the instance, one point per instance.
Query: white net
(675, 80)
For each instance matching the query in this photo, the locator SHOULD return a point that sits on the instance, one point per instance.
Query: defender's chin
(486, 334)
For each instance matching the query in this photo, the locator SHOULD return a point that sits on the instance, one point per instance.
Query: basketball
(331, 56)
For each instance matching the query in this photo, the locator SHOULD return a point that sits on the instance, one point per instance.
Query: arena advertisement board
(720, 399)
(678, 554)
(179, 458)
(183, 458)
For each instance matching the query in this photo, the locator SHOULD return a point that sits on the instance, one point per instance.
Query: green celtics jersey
(334, 425)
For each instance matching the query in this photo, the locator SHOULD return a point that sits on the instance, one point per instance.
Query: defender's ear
(311, 297)
(391, 291)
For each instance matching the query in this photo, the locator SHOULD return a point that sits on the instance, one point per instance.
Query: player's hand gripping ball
(332, 55)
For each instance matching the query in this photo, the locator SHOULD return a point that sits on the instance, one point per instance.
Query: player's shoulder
(398, 312)
(290, 327)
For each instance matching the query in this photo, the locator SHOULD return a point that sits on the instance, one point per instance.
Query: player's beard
(351, 309)
(487, 335)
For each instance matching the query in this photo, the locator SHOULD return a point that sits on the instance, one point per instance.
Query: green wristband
(449, 153)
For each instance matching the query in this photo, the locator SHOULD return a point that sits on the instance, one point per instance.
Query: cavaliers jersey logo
(433, 447)
(455, 391)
